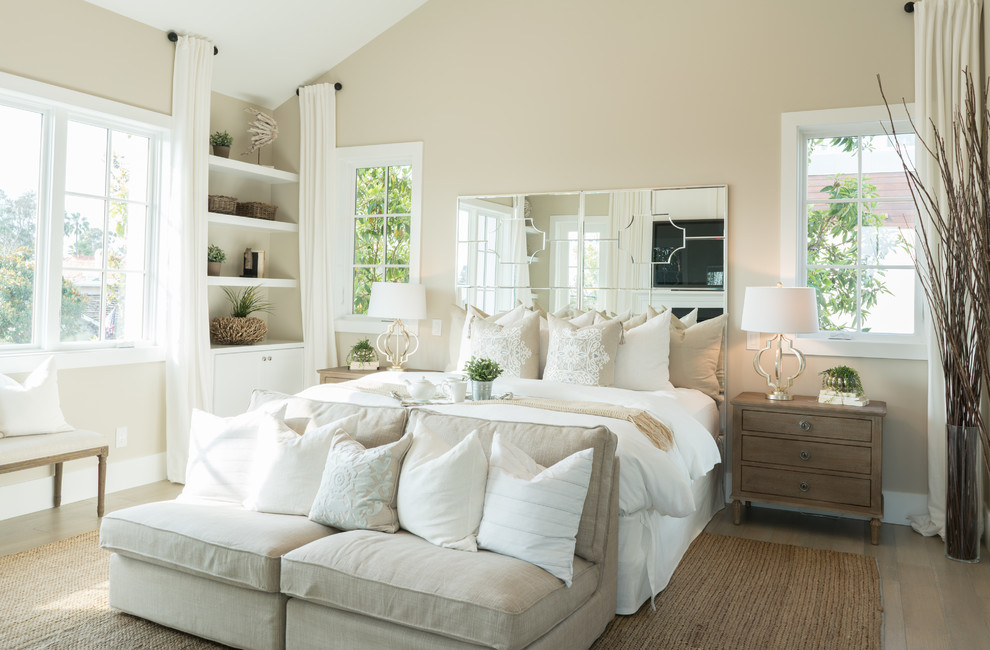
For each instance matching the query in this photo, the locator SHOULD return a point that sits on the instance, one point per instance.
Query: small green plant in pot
(221, 141)
(215, 256)
(363, 356)
(241, 328)
(842, 385)
(482, 372)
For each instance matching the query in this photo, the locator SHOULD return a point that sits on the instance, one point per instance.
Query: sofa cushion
(376, 425)
(546, 444)
(216, 540)
(482, 598)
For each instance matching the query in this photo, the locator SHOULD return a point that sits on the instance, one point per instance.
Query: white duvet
(649, 479)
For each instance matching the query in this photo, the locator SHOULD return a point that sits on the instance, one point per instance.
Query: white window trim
(349, 159)
(81, 105)
(794, 127)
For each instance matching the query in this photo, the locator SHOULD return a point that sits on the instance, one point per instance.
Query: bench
(24, 452)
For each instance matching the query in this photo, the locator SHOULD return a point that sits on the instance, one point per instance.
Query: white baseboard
(38, 494)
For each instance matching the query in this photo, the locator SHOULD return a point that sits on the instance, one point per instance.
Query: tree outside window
(382, 230)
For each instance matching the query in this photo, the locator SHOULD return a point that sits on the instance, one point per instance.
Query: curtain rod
(909, 7)
(172, 36)
(336, 86)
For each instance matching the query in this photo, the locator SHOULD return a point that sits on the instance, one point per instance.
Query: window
(378, 225)
(855, 231)
(478, 229)
(78, 192)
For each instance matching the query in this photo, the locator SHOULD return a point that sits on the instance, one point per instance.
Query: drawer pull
(803, 486)
(805, 425)
(805, 454)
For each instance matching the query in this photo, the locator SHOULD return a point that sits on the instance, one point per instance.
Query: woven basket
(222, 204)
(237, 331)
(257, 210)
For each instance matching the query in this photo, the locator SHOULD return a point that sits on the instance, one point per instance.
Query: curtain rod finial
(909, 7)
(172, 36)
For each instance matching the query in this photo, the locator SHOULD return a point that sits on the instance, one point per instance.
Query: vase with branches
(954, 269)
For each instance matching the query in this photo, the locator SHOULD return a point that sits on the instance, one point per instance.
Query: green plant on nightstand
(482, 372)
(363, 356)
(842, 385)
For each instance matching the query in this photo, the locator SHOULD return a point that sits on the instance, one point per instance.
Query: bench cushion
(21, 448)
(483, 598)
(216, 540)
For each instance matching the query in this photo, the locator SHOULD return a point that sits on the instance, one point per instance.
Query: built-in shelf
(251, 171)
(249, 222)
(231, 281)
(267, 344)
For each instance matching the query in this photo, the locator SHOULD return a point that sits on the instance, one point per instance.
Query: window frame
(349, 160)
(796, 128)
(59, 106)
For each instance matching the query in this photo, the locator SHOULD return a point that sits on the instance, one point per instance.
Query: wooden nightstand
(804, 454)
(343, 373)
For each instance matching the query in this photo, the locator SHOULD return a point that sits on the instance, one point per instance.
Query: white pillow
(287, 467)
(33, 407)
(582, 355)
(531, 512)
(643, 359)
(512, 341)
(442, 489)
(581, 320)
(221, 453)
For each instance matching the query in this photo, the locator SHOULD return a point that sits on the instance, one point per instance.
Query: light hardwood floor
(929, 601)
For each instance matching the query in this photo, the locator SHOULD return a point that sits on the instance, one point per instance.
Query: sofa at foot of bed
(258, 580)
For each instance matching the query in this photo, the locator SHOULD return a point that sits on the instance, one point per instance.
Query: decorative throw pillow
(694, 353)
(634, 321)
(582, 355)
(285, 473)
(221, 452)
(580, 320)
(32, 408)
(643, 359)
(689, 319)
(472, 313)
(442, 489)
(358, 487)
(533, 512)
(513, 342)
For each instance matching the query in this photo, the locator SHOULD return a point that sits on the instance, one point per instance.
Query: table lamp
(398, 300)
(777, 310)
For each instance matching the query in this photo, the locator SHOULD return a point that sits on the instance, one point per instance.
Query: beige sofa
(257, 580)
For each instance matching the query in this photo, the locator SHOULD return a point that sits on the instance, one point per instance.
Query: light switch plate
(121, 437)
(437, 327)
(753, 341)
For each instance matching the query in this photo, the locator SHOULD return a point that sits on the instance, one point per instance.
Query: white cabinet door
(237, 374)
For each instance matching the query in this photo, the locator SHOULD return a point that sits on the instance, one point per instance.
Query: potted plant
(363, 356)
(240, 328)
(482, 372)
(842, 385)
(215, 256)
(221, 141)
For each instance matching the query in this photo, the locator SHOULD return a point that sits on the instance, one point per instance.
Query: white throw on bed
(654, 486)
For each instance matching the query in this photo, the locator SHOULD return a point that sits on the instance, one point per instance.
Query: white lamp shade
(400, 300)
(780, 310)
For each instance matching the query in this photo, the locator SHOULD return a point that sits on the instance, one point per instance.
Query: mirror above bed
(610, 250)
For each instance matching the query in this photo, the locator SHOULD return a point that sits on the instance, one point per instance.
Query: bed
(665, 498)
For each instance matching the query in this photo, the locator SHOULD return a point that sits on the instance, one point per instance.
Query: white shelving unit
(275, 363)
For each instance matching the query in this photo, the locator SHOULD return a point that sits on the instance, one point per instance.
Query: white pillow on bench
(32, 408)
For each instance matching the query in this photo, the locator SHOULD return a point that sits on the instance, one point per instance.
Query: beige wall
(519, 96)
(76, 45)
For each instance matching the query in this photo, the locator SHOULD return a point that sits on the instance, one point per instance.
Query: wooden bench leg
(58, 484)
(101, 485)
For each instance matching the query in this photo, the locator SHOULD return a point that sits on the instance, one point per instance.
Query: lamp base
(780, 396)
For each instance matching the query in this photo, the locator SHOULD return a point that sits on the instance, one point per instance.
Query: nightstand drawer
(808, 425)
(806, 455)
(806, 485)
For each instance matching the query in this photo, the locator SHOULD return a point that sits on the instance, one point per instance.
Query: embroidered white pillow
(643, 359)
(221, 453)
(513, 342)
(532, 512)
(358, 486)
(582, 355)
(442, 489)
(33, 407)
(471, 314)
(581, 320)
(287, 466)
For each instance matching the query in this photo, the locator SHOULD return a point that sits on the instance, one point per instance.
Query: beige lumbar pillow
(694, 354)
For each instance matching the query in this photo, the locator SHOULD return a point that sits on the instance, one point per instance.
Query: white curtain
(512, 275)
(188, 371)
(317, 153)
(947, 36)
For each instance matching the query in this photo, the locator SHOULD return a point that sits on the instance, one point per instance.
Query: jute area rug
(727, 593)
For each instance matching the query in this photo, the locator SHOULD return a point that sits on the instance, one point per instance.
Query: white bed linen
(651, 479)
(702, 408)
